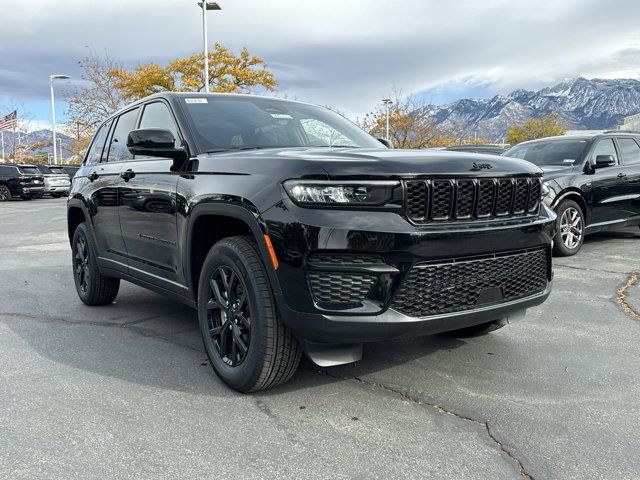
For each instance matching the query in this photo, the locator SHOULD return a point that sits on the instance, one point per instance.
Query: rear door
(609, 187)
(630, 153)
(148, 209)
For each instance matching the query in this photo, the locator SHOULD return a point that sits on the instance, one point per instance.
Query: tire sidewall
(7, 193)
(245, 375)
(559, 246)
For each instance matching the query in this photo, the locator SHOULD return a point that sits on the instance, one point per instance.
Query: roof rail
(622, 131)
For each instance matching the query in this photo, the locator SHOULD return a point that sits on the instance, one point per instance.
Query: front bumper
(300, 234)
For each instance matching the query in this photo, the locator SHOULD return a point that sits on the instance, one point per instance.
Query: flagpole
(2, 133)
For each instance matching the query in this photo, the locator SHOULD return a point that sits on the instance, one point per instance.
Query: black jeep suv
(291, 230)
(591, 181)
(17, 180)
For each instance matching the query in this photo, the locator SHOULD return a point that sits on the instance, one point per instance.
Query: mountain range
(39, 140)
(591, 104)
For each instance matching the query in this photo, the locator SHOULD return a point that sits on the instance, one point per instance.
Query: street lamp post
(53, 113)
(387, 102)
(206, 6)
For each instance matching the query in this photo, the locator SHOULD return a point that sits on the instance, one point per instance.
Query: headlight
(318, 192)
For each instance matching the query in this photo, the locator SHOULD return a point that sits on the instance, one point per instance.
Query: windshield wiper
(233, 149)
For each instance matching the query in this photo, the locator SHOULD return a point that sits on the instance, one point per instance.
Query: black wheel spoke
(244, 320)
(231, 287)
(239, 342)
(218, 294)
(213, 305)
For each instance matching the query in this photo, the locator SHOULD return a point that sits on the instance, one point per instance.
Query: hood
(555, 171)
(368, 163)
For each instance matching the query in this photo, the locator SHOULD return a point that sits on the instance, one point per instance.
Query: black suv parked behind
(291, 229)
(23, 181)
(591, 181)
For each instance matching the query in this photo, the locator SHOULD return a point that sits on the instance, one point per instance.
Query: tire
(55, 195)
(37, 196)
(248, 346)
(93, 288)
(26, 197)
(5, 193)
(570, 223)
(477, 330)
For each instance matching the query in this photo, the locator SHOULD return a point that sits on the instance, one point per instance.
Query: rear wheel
(5, 193)
(26, 197)
(248, 346)
(569, 229)
(478, 330)
(55, 195)
(93, 288)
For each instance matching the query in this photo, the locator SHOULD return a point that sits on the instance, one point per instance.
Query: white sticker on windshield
(195, 100)
(281, 115)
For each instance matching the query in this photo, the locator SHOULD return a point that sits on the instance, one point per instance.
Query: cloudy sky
(343, 53)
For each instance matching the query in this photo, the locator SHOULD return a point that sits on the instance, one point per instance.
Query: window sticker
(195, 100)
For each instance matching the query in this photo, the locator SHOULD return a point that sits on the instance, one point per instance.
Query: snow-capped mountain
(580, 103)
(38, 141)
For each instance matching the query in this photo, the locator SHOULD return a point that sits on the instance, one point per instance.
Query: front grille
(344, 289)
(458, 285)
(469, 199)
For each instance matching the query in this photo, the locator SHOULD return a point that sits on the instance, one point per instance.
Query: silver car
(55, 184)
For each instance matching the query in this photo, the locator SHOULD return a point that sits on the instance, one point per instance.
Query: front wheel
(248, 346)
(570, 229)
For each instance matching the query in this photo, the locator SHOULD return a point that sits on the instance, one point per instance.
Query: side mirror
(385, 142)
(154, 142)
(603, 161)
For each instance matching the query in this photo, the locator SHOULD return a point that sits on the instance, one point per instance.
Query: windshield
(226, 122)
(29, 170)
(553, 152)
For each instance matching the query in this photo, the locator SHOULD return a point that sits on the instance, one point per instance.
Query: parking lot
(124, 391)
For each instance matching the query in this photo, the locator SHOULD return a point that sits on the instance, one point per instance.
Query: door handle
(622, 175)
(93, 176)
(127, 175)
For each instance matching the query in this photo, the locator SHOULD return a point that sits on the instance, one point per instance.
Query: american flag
(9, 121)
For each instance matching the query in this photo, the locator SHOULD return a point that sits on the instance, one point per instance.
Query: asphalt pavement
(125, 391)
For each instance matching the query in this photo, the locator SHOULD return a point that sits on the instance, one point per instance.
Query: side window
(157, 115)
(605, 147)
(118, 150)
(5, 170)
(95, 152)
(322, 135)
(630, 151)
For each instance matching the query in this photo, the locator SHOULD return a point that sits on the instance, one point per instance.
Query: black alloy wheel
(5, 193)
(229, 316)
(81, 267)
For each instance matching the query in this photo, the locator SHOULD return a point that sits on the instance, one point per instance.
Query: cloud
(332, 52)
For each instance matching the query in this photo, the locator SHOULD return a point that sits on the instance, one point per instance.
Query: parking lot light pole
(53, 113)
(387, 102)
(206, 6)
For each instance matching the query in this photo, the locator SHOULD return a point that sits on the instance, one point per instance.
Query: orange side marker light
(272, 252)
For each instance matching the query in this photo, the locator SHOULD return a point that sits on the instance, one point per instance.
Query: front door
(630, 152)
(609, 187)
(148, 210)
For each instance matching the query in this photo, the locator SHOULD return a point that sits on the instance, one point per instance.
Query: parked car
(24, 181)
(591, 181)
(289, 229)
(486, 149)
(69, 170)
(55, 184)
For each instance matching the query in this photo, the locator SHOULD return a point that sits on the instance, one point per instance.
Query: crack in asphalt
(129, 326)
(621, 296)
(586, 269)
(443, 410)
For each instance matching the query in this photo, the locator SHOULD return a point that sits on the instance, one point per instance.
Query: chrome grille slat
(441, 200)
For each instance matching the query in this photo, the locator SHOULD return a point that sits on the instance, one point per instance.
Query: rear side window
(29, 170)
(95, 152)
(605, 147)
(118, 150)
(7, 171)
(630, 151)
